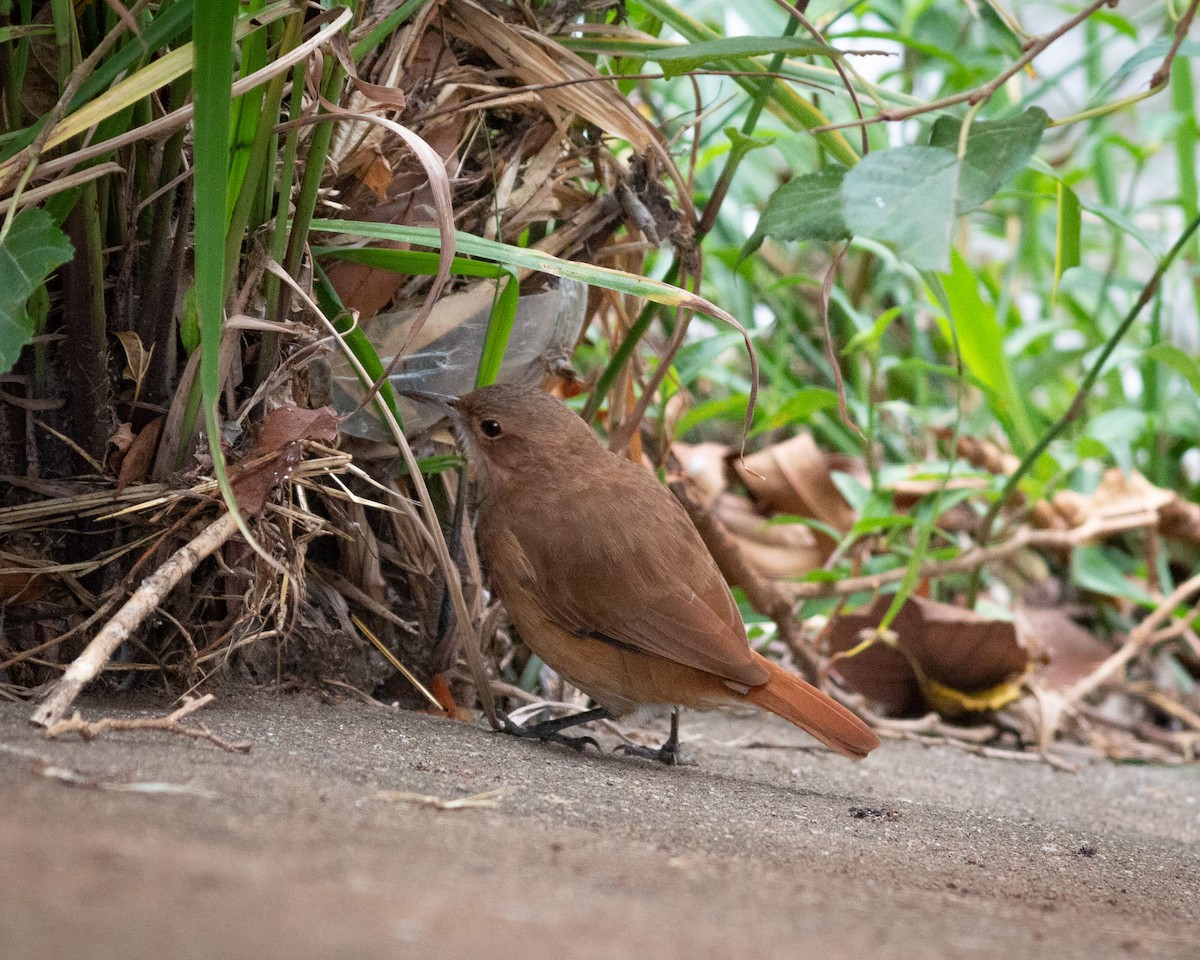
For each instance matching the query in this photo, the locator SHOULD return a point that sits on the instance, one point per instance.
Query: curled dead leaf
(372, 169)
(121, 441)
(942, 657)
(1065, 651)
(139, 456)
(777, 551)
(795, 477)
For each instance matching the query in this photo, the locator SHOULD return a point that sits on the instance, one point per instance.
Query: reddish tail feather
(797, 701)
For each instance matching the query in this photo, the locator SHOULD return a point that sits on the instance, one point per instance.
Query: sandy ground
(770, 847)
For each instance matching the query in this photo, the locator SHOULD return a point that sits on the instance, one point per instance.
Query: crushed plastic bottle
(445, 356)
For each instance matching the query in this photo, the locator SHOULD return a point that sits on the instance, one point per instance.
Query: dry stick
(766, 596)
(1140, 637)
(153, 589)
(977, 556)
(1163, 73)
(90, 729)
(984, 91)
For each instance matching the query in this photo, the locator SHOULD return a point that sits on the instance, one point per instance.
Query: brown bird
(607, 580)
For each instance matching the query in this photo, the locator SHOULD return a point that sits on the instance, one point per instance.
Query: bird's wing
(640, 579)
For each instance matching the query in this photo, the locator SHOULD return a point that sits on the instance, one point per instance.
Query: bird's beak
(436, 400)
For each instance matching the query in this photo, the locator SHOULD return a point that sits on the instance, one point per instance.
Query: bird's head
(519, 435)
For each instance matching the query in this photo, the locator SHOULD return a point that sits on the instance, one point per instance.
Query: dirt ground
(769, 847)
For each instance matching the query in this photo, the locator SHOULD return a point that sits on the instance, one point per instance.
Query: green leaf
(1119, 430)
(800, 407)
(905, 197)
(495, 341)
(1155, 51)
(1066, 238)
(851, 489)
(981, 342)
(1182, 363)
(996, 149)
(357, 342)
(744, 144)
(691, 56)
(1093, 569)
(695, 358)
(873, 334)
(805, 208)
(33, 248)
(189, 322)
(732, 408)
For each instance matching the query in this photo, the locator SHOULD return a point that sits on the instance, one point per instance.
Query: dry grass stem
(489, 798)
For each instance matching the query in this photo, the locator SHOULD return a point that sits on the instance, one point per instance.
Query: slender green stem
(621, 357)
(1077, 404)
(741, 148)
(306, 202)
(737, 153)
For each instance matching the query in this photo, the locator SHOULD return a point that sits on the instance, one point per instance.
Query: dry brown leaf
(139, 456)
(706, 466)
(907, 492)
(777, 551)
(372, 169)
(955, 648)
(1180, 520)
(137, 357)
(277, 450)
(1116, 496)
(19, 586)
(795, 477)
(534, 59)
(121, 441)
(1067, 652)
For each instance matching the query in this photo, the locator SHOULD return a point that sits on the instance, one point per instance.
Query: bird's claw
(668, 754)
(547, 732)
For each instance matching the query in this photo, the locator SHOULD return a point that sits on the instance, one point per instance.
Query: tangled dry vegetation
(135, 569)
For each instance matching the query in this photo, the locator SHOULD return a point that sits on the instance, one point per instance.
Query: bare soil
(769, 847)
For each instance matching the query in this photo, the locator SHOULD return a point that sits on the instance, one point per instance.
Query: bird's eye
(490, 428)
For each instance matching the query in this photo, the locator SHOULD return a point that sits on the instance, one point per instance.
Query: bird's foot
(669, 753)
(549, 731)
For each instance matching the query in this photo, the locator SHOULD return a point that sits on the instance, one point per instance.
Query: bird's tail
(799, 702)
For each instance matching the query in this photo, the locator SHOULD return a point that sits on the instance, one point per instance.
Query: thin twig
(91, 729)
(1140, 638)
(976, 557)
(1163, 72)
(984, 91)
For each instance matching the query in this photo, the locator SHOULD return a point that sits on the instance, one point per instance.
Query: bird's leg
(552, 729)
(668, 753)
